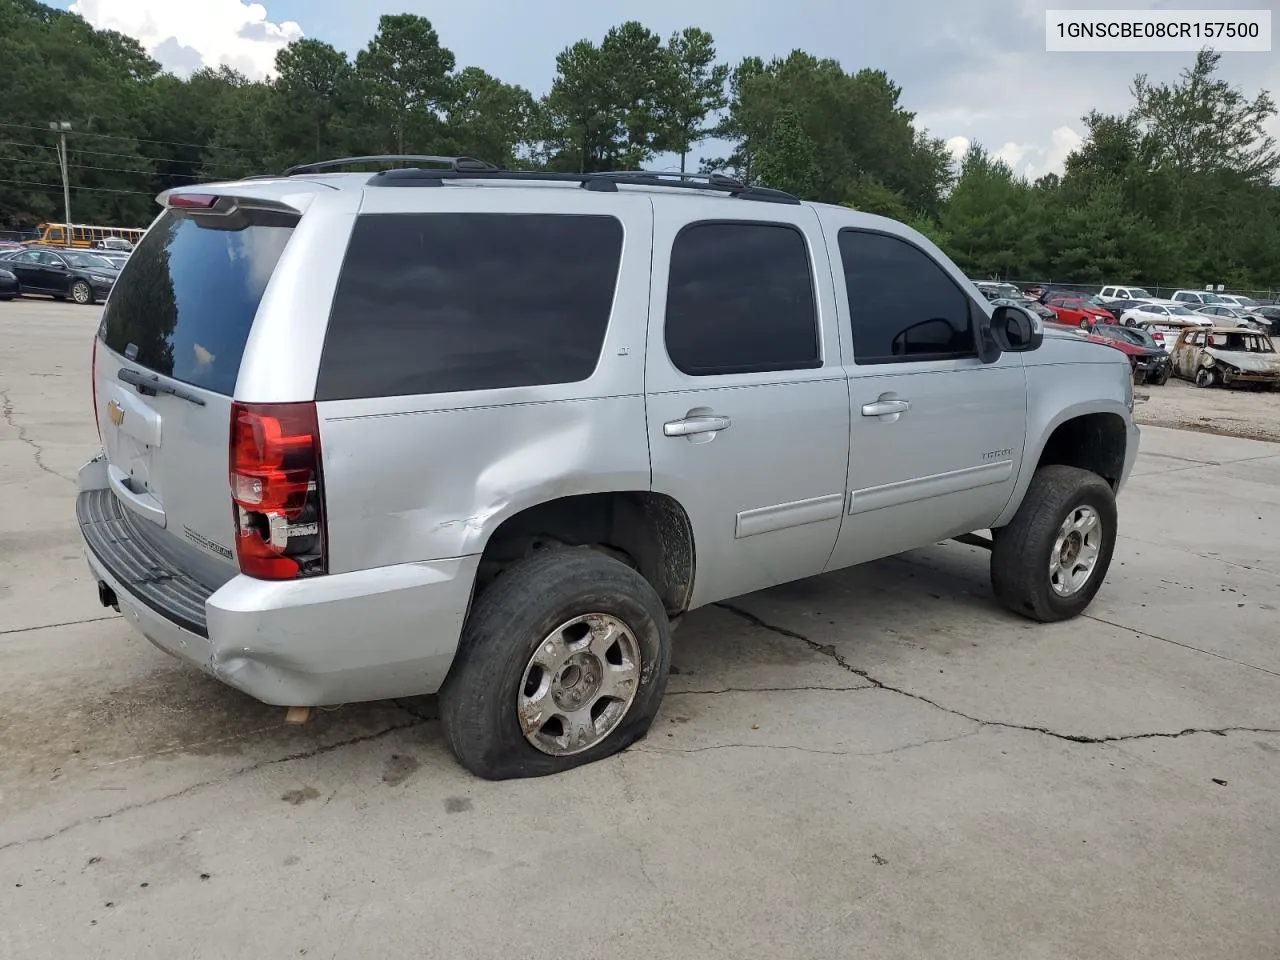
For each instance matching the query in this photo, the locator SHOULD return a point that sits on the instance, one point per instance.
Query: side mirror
(1015, 329)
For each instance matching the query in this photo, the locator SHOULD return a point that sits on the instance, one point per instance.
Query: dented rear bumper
(341, 638)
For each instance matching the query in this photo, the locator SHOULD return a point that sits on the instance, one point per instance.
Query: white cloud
(1011, 153)
(958, 147)
(1063, 141)
(229, 33)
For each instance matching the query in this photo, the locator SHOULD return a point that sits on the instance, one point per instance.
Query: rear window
(187, 296)
(447, 302)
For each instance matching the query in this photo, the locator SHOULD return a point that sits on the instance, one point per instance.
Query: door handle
(884, 408)
(691, 426)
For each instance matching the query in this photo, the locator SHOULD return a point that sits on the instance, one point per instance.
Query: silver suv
(491, 434)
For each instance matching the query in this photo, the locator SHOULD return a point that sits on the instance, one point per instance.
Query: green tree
(580, 127)
(312, 90)
(490, 119)
(406, 81)
(787, 160)
(696, 90)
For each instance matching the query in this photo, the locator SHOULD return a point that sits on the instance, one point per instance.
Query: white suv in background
(1199, 298)
(1125, 293)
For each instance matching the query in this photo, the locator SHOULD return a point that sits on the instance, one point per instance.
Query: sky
(973, 71)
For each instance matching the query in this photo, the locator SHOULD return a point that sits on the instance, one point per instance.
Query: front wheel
(81, 292)
(1206, 377)
(563, 661)
(1051, 559)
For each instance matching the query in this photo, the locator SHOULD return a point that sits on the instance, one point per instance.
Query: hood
(1248, 362)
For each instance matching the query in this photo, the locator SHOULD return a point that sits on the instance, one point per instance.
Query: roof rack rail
(454, 164)
(604, 182)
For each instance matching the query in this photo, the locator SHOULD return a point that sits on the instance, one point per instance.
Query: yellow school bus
(82, 235)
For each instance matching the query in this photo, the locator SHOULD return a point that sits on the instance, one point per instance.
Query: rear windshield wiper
(152, 385)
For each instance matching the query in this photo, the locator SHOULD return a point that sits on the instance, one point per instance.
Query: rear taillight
(93, 379)
(277, 490)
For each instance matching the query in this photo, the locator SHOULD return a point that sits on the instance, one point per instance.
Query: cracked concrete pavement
(877, 762)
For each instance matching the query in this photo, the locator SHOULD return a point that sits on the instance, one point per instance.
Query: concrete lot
(876, 763)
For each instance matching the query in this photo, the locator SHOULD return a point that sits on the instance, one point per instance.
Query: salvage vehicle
(1150, 361)
(493, 433)
(1226, 355)
(1078, 311)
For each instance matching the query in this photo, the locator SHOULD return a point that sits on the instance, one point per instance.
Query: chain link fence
(1163, 293)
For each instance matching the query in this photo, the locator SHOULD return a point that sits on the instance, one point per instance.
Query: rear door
(166, 363)
(747, 403)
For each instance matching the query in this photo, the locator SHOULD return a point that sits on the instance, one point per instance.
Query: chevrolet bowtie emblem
(115, 412)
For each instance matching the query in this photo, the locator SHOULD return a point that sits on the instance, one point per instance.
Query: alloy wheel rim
(1075, 551)
(579, 684)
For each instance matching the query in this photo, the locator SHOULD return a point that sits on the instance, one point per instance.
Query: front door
(936, 435)
(747, 403)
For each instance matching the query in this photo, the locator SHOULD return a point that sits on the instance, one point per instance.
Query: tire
(1162, 379)
(536, 602)
(1206, 377)
(82, 293)
(1023, 551)
(1084, 323)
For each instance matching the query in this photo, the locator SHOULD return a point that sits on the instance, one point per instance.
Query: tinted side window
(740, 300)
(443, 302)
(902, 304)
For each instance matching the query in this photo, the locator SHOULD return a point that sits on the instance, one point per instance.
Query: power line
(103, 153)
(58, 189)
(107, 136)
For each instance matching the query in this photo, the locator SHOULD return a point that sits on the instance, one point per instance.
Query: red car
(1078, 311)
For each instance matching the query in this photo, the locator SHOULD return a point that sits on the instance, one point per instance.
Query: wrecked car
(1226, 355)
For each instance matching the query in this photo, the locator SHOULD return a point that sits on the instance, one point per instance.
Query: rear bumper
(341, 638)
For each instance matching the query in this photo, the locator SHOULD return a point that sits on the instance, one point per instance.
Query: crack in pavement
(720, 690)
(7, 411)
(232, 775)
(831, 652)
(1179, 643)
(64, 623)
(798, 749)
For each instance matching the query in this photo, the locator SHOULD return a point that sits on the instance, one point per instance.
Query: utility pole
(63, 127)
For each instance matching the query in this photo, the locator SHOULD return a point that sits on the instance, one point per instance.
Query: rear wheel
(1052, 558)
(81, 292)
(563, 661)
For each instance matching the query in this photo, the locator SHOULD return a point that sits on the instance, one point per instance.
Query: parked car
(1196, 297)
(1117, 308)
(118, 244)
(364, 441)
(115, 257)
(1232, 316)
(1124, 293)
(1164, 321)
(1240, 302)
(1271, 315)
(80, 275)
(1078, 311)
(1150, 360)
(8, 284)
(994, 290)
(1226, 355)
(1046, 314)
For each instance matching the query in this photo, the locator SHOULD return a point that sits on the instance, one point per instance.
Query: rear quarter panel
(430, 477)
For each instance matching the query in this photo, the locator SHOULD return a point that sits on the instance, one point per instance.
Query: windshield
(1137, 336)
(1182, 312)
(1137, 293)
(1210, 298)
